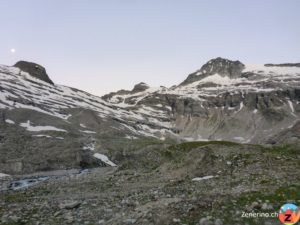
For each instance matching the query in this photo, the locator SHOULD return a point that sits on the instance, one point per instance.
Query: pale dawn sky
(102, 46)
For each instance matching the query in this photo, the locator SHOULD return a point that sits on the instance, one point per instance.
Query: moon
(12, 50)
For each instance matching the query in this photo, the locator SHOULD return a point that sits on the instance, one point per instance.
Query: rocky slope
(224, 100)
(197, 183)
(68, 157)
(61, 127)
(47, 126)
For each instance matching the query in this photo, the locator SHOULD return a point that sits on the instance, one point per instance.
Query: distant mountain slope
(48, 126)
(225, 100)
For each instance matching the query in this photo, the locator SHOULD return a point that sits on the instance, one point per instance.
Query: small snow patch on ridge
(9, 121)
(291, 106)
(42, 135)
(104, 159)
(4, 175)
(29, 127)
(88, 131)
(202, 178)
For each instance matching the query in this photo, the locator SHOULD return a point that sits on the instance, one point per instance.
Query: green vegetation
(287, 150)
(187, 146)
(14, 197)
(14, 223)
(277, 198)
(280, 196)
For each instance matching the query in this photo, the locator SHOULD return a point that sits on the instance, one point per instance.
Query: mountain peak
(34, 70)
(223, 67)
(140, 87)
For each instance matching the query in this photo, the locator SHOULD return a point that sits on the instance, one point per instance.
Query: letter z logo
(287, 218)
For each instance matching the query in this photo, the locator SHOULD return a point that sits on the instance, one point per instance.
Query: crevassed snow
(9, 121)
(202, 178)
(104, 159)
(29, 127)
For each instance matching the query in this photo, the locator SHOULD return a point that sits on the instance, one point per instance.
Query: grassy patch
(14, 198)
(277, 198)
(187, 146)
(288, 150)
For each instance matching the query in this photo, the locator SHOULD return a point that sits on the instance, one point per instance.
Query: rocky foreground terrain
(190, 183)
(222, 143)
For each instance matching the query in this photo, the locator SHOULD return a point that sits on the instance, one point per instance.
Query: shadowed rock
(140, 87)
(223, 67)
(34, 70)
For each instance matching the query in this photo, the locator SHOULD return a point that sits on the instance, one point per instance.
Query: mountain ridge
(246, 104)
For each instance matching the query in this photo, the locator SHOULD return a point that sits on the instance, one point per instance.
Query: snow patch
(291, 106)
(104, 159)
(202, 178)
(239, 138)
(42, 135)
(217, 79)
(88, 131)
(29, 127)
(4, 175)
(9, 121)
(90, 147)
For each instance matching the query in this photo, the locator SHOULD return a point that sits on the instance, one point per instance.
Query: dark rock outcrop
(34, 70)
(224, 67)
(140, 87)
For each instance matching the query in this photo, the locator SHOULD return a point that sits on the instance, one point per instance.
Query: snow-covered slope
(223, 100)
(19, 90)
(48, 126)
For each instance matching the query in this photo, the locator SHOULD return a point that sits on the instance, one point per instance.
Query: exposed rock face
(140, 87)
(223, 67)
(48, 127)
(225, 100)
(291, 135)
(34, 70)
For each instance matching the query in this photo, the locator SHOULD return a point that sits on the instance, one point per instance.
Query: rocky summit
(34, 70)
(223, 142)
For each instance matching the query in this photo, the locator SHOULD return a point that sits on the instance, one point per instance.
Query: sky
(105, 45)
